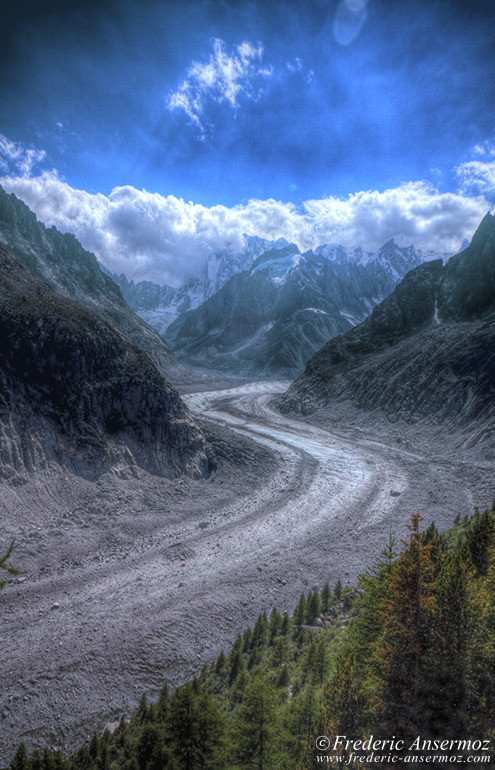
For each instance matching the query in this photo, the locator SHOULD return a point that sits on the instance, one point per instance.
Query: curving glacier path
(129, 580)
(346, 485)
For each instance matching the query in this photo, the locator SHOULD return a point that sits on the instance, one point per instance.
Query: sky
(159, 132)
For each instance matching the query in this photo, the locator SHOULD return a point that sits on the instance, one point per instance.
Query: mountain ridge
(160, 305)
(74, 392)
(61, 262)
(269, 319)
(426, 351)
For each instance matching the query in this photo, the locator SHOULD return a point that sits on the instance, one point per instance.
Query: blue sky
(222, 103)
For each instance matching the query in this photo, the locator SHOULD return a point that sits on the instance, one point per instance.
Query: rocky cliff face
(61, 262)
(270, 319)
(75, 392)
(428, 350)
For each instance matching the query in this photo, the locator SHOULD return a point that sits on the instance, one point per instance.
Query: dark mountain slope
(61, 262)
(428, 350)
(75, 392)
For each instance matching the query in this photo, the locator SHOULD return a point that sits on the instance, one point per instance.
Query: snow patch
(436, 317)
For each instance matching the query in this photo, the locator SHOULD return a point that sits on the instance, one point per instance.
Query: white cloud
(415, 212)
(478, 176)
(295, 65)
(166, 239)
(223, 78)
(15, 157)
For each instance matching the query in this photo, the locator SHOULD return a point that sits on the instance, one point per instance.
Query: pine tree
(447, 678)
(247, 639)
(195, 725)
(256, 734)
(220, 664)
(48, 763)
(313, 607)
(325, 597)
(303, 717)
(283, 678)
(344, 704)
(275, 624)
(480, 684)
(260, 631)
(142, 709)
(300, 611)
(280, 655)
(236, 664)
(163, 701)
(20, 760)
(237, 691)
(321, 660)
(285, 626)
(407, 616)
(150, 751)
(102, 757)
(479, 539)
(59, 762)
(94, 747)
(82, 758)
(36, 760)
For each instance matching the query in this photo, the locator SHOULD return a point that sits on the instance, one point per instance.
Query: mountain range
(269, 319)
(161, 305)
(426, 351)
(83, 378)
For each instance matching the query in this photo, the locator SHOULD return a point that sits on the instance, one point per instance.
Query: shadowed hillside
(60, 261)
(73, 391)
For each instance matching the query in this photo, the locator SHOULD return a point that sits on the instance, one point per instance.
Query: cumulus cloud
(166, 239)
(414, 212)
(478, 176)
(223, 78)
(18, 158)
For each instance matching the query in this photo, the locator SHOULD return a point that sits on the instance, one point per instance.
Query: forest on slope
(409, 652)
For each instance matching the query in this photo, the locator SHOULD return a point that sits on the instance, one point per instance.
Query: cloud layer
(166, 239)
(223, 78)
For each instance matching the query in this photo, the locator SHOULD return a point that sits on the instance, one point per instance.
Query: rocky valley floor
(132, 579)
